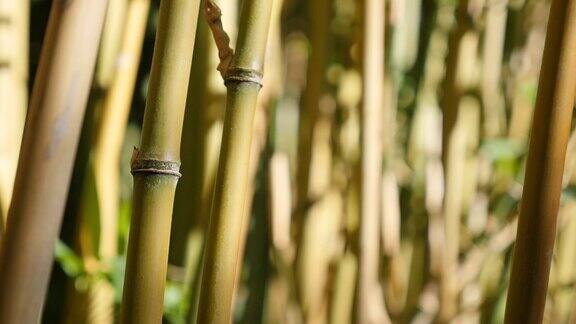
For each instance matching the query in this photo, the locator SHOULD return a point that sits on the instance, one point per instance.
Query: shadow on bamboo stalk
(543, 181)
(49, 146)
(155, 166)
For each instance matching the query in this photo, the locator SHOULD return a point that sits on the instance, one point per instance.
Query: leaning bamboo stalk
(543, 181)
(243, 80)
(370, 299)
(13, 93)
(45, 167)
(156, 164)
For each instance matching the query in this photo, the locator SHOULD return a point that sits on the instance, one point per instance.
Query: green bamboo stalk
(543, 181)
(319, 17)
(155, 165)
(370, 308)
(45, 166)
(13, 93)
(243, 80)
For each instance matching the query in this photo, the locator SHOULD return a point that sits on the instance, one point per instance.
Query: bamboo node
(237, 74)
(153, 166)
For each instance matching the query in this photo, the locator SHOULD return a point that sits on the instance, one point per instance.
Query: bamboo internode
(544, 169)
(47, 156)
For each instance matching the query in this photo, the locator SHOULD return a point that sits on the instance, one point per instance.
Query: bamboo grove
(287, 161)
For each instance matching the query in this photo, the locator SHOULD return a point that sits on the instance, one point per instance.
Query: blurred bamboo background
(374, 156)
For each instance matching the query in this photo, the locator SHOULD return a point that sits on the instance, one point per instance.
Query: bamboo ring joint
(156, 167)
(243, 75)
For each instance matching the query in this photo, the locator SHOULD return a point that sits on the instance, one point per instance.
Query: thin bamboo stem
(155, 165)
(111, 42)
(319, 18)
(543, 181)
(370, 308)
(107, 150)
(243, 84)
(48, 150)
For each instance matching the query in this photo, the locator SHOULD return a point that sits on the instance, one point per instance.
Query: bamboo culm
(46, 160)
(243, 81)
(544, 169)
(155, 166)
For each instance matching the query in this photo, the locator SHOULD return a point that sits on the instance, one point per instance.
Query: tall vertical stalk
(47, 156)
(370, 299)
(243, 81)
(112, 34)
(13, 92)
(106, 154)
(543, 181)
(156, 164)
(319, 19)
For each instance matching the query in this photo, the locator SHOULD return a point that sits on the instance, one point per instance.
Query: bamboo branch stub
(225, 52)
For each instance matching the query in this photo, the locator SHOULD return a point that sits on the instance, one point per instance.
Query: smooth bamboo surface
(544, 169)
(14, 40)
(224, 234)
(154, 189)
(48, 150)
(370, 308)
(319, 16)
(107, 149)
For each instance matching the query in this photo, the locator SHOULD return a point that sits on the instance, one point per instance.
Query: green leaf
(70, 262)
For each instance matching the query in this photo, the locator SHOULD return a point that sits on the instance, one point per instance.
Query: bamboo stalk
(370, 308)
(543, 181)
(107, 150)
(319, 17)
(45, 167)
(342, 301)
(13, 93)
(110, 44)
(494, 41)
(243, 80)
(155, 165)
(188, 214)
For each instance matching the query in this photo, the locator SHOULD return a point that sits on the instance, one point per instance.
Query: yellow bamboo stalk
(543, 180)
(111, 42)
(106, 154)
(13, 92)
(319, 17)
(370, 302)
(49, 146)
